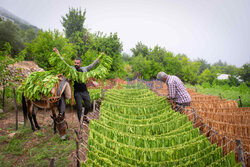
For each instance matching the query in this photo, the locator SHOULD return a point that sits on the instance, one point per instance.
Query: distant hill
(21, 22)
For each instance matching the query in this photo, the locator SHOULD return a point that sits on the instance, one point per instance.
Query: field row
(138, 128)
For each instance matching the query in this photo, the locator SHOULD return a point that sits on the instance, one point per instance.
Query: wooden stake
(102, 94)
(52, 162)
(77, 148)
(72, 96)
(3, 94)
(240, 152)
(14, 92)
(240, 101)
(220, 96)
(195, 117)
(93, 105)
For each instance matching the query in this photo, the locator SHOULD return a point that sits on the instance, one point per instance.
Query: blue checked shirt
(177, 90)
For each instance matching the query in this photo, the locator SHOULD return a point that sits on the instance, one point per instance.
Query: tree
(126, 57)
(172, 65)
(207, 76)
(157, 54)
(111, 46)
(190, 70)
(220, 63)
(29, 35)
(5, 61)
(41, 47)
(245, 73)
(140, 49)
(10, 32)
(141, 66)
(73, 21)
(89, 45)
(203, 65)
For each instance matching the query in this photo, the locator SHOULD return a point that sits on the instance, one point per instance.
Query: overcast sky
(208, 29)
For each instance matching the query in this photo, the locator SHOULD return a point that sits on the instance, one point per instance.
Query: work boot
(85, 118)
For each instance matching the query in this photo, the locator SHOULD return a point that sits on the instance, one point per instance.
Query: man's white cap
(161, 75)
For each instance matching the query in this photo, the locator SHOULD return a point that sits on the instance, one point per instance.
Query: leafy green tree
(172, 65)
(75, 31)
(82, 42)
(244, 73)
(41, 47)
(110, 45)
(141, 66)
(10, 32)
(29, 35)
(207, 76)
(233, 81)
(126, 57)
(190, 70)
(203, 65)
(140, 48)
(220, 63)
(73, 21)
(157, 54)
(5, 77)
(89, 45)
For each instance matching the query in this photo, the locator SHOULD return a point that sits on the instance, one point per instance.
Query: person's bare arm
(89, 67)
(56, 50)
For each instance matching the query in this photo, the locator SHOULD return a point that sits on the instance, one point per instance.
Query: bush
(206, 85)
(243, 88)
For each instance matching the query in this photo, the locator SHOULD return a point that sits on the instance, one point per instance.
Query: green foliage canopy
(73, 21)
(40, 48)
(11, 33)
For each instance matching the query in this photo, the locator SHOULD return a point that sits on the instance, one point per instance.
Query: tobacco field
(138, 128)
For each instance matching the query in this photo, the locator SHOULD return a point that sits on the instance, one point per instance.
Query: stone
(11, 134)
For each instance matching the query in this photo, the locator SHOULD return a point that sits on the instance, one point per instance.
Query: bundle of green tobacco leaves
(40, 84)
(63, 68)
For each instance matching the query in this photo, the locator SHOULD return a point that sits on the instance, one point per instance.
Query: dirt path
(7, 127)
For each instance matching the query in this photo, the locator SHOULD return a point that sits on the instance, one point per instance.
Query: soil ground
(26, 148)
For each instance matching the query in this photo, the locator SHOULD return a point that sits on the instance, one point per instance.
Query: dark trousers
(79, 96)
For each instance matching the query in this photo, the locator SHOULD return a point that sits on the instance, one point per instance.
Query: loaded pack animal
(60, 93)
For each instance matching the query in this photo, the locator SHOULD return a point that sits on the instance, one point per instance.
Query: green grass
(15, 144)
(35, 149)
(230, 93)
(2, 115)
(3, 138)
(45, 151)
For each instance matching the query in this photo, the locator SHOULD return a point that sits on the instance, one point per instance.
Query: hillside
(21, 22)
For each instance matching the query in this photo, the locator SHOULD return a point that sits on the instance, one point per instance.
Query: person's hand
(55, 50)
(95, 84)
(98, 60)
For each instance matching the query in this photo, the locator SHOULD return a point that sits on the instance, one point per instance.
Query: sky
(209, 29)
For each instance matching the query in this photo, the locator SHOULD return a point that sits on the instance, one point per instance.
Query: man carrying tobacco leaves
(177, 92)
(80, 89)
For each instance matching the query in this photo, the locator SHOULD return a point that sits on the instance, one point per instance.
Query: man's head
(162, 76)
(78, 63)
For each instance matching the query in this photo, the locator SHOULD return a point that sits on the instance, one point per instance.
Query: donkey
(54, 103)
